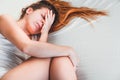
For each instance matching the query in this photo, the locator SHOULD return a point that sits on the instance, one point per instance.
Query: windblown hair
(64, 12)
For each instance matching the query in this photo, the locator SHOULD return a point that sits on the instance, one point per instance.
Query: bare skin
(62, 69)
(47, 57)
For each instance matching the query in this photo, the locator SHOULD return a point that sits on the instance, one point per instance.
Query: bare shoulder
(6, 22)
(5, 17)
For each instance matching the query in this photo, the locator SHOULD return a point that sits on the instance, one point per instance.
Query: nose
(43, 21)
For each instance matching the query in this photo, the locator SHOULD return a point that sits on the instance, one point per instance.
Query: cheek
(30, 27)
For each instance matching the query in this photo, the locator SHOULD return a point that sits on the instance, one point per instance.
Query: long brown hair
(67, 12)
(64, 12)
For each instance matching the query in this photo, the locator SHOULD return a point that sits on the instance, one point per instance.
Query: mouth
(38, 26)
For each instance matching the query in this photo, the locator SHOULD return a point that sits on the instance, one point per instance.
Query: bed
(98, 46)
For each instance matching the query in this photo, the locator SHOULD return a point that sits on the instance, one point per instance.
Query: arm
(10, 29)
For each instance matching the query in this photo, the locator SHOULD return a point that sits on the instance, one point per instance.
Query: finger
(53, 16)
(50, 12)
(46, 16)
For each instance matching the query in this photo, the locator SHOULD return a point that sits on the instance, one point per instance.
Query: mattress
(98, 47)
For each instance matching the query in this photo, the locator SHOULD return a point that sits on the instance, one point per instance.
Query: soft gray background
(98, 47)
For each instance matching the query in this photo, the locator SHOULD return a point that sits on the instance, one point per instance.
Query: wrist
(43, 37)
(44, 31)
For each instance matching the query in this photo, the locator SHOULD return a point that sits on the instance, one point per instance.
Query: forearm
(45, 50)
(8, 28)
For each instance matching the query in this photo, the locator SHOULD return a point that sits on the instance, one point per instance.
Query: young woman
(28, 37)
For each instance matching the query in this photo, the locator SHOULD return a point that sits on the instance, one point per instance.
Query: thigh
(64, 69)
(32, 69)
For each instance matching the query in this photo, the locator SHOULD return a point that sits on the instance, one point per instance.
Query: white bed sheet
(98, 47)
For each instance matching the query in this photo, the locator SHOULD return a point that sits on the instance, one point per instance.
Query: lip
(37, 26)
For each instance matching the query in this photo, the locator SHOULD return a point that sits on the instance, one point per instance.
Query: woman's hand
(49, 19)
(74, 57)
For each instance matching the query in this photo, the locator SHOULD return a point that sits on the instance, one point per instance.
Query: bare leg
(62, 69)
(32, 69)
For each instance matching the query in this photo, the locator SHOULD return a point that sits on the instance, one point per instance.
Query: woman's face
(35, 20)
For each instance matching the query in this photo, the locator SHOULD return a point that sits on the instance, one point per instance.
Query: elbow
(28, 49)
(25, 50)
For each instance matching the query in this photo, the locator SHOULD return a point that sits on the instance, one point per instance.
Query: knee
(61, 60)
(64, 69)
(61, 63)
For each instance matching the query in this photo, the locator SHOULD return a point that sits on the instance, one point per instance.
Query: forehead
(43, 10)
